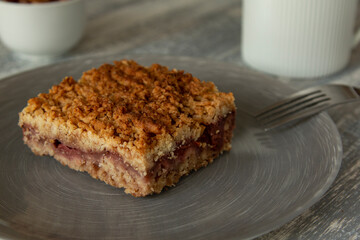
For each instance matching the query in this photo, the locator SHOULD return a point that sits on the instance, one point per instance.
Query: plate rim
(286, 219)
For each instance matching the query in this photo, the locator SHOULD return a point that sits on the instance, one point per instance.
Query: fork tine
(291, 118)
(305, 111)
(292, 99)
(290, 105)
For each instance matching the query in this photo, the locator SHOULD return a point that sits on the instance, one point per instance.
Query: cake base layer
(111, 168)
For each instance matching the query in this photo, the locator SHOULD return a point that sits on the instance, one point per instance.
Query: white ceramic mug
(42, 29)
(298, 38)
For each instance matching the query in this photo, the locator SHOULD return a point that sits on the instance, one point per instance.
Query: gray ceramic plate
(266, 180)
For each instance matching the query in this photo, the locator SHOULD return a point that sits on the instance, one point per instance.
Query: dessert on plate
(136, 127)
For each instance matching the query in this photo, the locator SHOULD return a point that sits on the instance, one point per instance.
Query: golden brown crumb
(131, 103)
(131, 126)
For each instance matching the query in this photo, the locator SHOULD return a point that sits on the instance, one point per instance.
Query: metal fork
(306, 103)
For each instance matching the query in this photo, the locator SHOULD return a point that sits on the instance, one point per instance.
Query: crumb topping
(131, 103)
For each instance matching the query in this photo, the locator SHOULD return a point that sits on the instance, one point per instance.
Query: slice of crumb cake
(136, 127)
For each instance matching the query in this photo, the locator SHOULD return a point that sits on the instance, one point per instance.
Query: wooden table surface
(212, 29)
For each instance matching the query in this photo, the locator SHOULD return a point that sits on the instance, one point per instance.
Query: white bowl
(42, 29)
